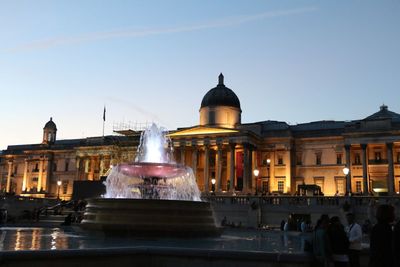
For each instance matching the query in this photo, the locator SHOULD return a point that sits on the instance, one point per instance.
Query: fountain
(152, 196)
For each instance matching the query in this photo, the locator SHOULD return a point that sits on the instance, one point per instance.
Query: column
(348, 165)
(39, 185)
(206, 168)
(219, 168)
(232, 167)
(269, 175)
(10, 163)
(194, 160)
(86, 162)
(24, 181)
(246, 168)
(365, 169)
(390, 178)
(77, 163)
(250, 179)
(101, 171)
(47, 186)
(183, 154)
(92, 167)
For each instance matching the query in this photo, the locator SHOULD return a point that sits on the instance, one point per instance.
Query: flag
(104, 114)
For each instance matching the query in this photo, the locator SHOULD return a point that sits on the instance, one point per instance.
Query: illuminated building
(223, 148)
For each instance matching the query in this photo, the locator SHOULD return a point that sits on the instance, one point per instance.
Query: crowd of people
(337, 245)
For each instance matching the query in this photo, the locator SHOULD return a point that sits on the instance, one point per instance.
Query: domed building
(224, 152)
(227, 156)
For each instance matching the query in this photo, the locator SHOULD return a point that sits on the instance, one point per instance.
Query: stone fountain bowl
(150, 169)
(150, 218)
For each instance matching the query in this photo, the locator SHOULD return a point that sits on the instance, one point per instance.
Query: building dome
(220, 107)
(49, 132)
(50, 125)
(220, 96)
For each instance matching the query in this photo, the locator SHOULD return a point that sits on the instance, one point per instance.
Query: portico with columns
(216, 158)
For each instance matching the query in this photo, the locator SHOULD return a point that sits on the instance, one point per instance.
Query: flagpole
(104, 118)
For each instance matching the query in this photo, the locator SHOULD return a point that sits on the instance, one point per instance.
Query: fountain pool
(152, 196)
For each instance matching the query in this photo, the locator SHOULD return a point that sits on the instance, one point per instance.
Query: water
(28, 238)
(154, 174)
(155, 146)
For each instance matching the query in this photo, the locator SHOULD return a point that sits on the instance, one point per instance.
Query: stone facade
(35, 170)
(224, 153)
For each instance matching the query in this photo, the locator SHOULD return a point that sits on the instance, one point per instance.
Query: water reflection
(14, 238)
(23, 238)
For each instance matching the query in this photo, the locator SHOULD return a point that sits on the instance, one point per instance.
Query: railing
(377, 162)
(304, 200)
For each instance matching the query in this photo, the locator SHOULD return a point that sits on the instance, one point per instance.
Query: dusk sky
(293, 61)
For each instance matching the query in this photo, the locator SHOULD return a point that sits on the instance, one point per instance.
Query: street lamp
(213, 185)
(58, 189)
(346, 173)
(256, 173)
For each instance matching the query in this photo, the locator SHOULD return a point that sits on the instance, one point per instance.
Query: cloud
(96, 36)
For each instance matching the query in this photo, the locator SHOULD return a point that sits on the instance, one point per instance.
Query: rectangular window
(320, 183)
(339, 159)
(65, 187)
(357, 159)
(266, 161)
(378, 156)
(340, 186)
(281, 186)
(265, 188)
(54, 167)
(280, 160)
(35, 179)
(211, 117)
(398, 157)
(298, 160)
(66, 166)
(358, 186)
(318, 159)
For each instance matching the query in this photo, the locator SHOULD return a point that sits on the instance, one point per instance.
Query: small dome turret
(50, 125)
(49, 132)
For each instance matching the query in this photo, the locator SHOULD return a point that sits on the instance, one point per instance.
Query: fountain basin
(150, 169)
(150, 217)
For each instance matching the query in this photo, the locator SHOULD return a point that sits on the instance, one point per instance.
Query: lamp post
(213, 185)
(346, 173)
(58, 189)
(256, 173)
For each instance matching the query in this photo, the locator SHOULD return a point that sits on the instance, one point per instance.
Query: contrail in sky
(138, 109)
(95, 36)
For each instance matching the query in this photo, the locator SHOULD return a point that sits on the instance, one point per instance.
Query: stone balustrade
(255, 211)
(304, 200)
